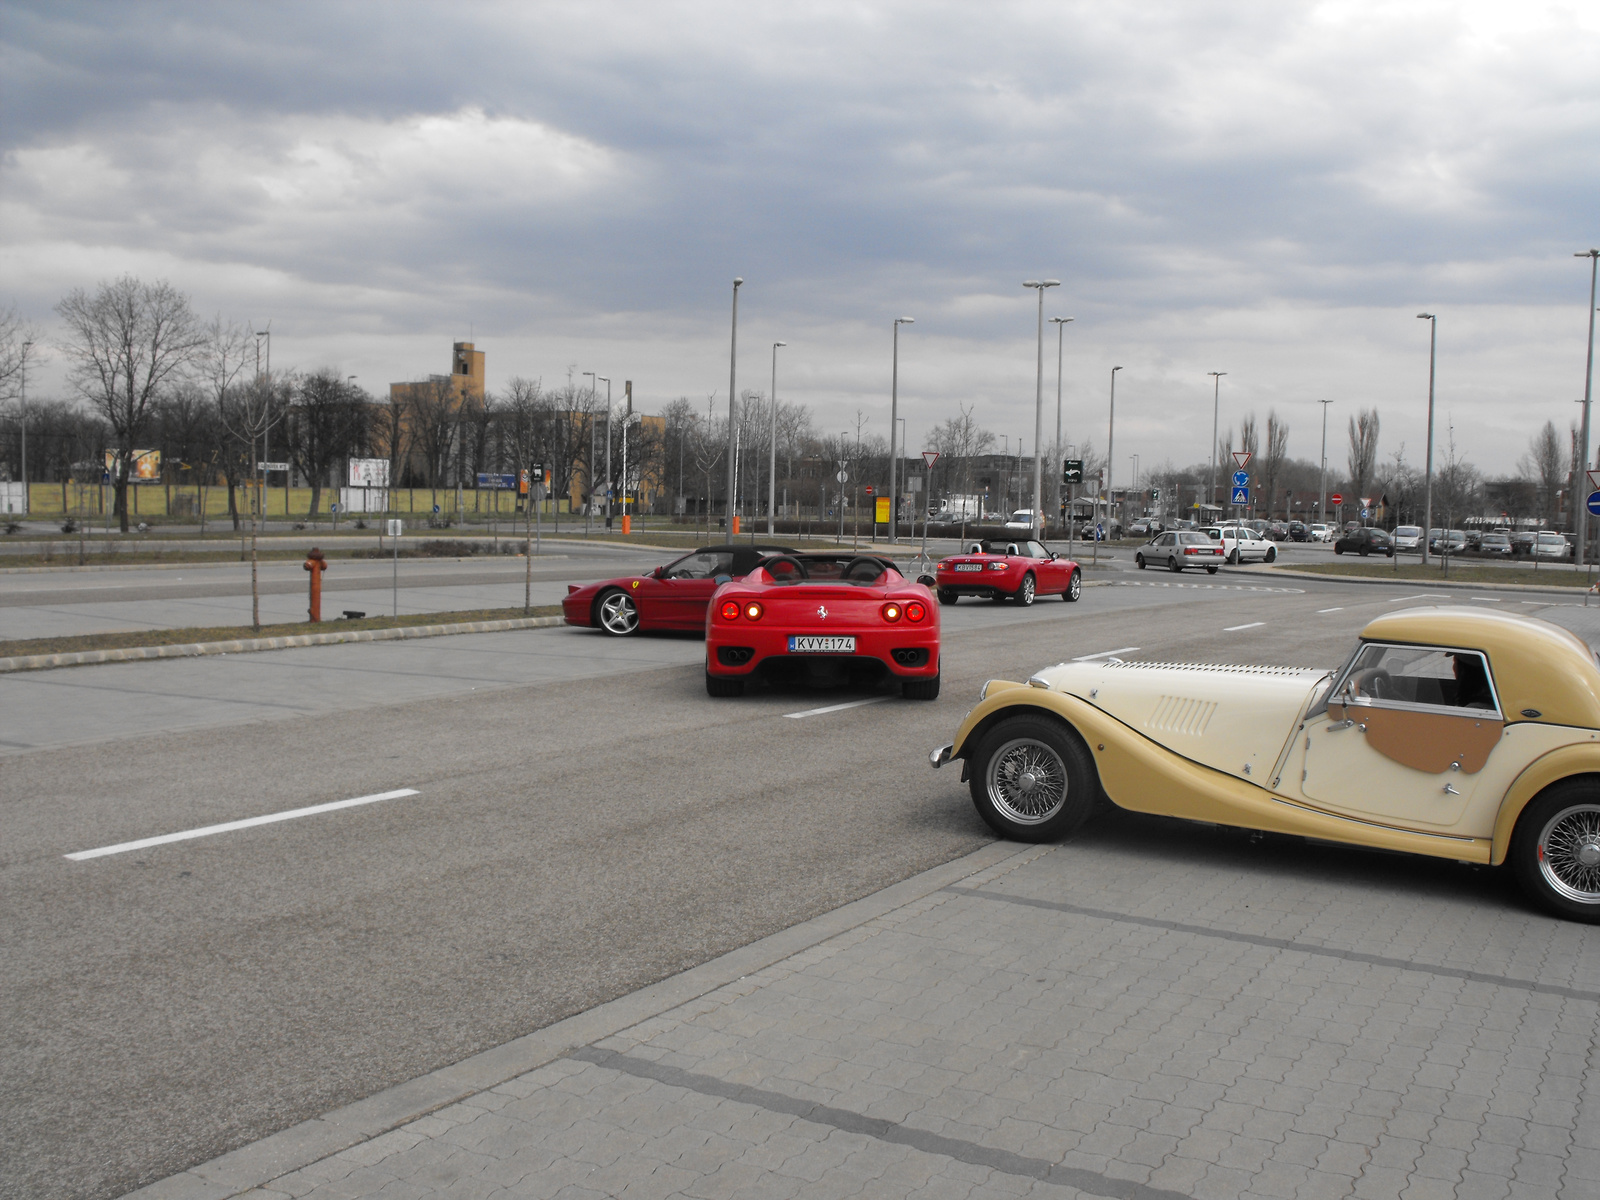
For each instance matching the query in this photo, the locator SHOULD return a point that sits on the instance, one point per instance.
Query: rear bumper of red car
(903, 651)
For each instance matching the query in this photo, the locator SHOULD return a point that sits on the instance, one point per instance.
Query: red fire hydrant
(316, 564)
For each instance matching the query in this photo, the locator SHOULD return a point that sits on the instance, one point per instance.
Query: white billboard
(369, 472)
(363, 500)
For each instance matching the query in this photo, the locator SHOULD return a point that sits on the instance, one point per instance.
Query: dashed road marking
(1486, 599)
(1420, 596)
(1329, 610)
(1220, 587)
(1105, 654)
(1236, 628)
(230, 826)
(817, 712)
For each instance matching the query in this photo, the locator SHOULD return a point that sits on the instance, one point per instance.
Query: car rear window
(1193, 539)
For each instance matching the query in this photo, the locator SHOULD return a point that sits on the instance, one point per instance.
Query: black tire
(1555, 834)
(947, 597)
(1025, 593)
(1138, 560)
(1391, 553)
(1233, 557)
(1012, 751)
(1364, 551)
(1174, 565)
(721, 685)
(920, 689)
(616, 613)
(1336, 549)
(1074, 590)
(1211, 570)
(1272, 554)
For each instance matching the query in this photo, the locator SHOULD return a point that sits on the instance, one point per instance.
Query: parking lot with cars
(503, 832)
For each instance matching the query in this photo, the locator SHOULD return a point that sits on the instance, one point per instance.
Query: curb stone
(78, 658)
(258, 1163)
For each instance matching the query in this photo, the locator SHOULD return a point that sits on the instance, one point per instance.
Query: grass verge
(1460, 572)
(139, 638)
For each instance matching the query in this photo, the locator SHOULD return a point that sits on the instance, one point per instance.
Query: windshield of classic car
(1426, 676)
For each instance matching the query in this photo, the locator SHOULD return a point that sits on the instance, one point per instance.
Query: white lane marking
(1328, 610)
(1216, 587)
(1485, 599)
(1236, 628)
(1105, 654)
(230, 826)
(817, 712)
(1420, 596)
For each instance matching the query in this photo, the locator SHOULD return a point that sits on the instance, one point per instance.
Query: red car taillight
(915, 611)
(730, 611)
(1191, 550)
(752, 611)
(999, 566)
(891, 612)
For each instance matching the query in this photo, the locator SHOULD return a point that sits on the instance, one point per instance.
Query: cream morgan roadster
(1454, 732)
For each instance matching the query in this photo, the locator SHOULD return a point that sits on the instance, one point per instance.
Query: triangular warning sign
(1242, 457)
(1594, 480)
(1366, 502)
(930, 457)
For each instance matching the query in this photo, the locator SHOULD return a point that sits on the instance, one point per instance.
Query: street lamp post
(1061, 326)
(894, 409)
(1134, 458)
(772, 440)
(588, 509)
(733, 400)
(22, 408)
(1039, 285)
(1111, 434)
(1588, 380)
(605, 380)
(1216, 412)
(1427, 488)
(1322, 486)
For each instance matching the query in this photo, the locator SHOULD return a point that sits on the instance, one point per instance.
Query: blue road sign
(1241, 495)
(496, 480)
(436, 510)
(1594, 503)
(1241, 479)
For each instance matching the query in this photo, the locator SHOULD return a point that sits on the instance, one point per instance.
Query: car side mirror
(658, 572)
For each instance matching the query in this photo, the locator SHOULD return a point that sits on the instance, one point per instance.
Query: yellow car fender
(1559, 764)
(1141, 775)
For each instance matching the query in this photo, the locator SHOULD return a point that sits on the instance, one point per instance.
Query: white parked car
(1551, 545)
(1240, 544)
(1023, 518)
(1321, 533)
(1407, 537)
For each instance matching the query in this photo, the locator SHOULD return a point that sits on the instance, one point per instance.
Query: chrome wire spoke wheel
(619, 614)
(1027, 781)
(1569, 853)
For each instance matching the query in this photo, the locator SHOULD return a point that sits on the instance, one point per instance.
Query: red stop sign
(1336, 498)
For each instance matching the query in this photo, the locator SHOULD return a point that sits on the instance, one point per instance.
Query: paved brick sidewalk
(1065, 1021)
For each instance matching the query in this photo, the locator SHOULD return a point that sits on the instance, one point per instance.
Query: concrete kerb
(78, 658)
(301, 1145)
(1431, 583)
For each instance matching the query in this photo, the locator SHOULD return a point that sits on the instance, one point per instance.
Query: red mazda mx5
(673, 596)
(823, 618)
(1011, 569)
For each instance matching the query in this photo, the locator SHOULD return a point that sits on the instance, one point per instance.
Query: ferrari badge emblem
(822, 611)
(635, 583)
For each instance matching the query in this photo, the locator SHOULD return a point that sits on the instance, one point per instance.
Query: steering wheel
(1374, 683)
(785, 568)
(862, 570)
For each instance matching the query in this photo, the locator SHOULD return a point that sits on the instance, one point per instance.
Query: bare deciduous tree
(327, 421)
(1545, 465)
(127, 342)
(1363, 451)
(1274, 456)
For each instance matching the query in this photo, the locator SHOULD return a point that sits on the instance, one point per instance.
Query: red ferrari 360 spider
(823, 617)
(1016, 569)
(673, 596)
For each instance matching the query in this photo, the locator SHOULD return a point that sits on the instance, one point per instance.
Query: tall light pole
(733, 400)
(603, 379)
(894, 416)
(588, 508)
(1216, 412)
(266, 421)
(22, 408)
(1427, 490)
(1111, 434)
(1588, 381)
(772, 440)
(1061, 324)
(1039, 285)
(1322, 487)
(1134, 458)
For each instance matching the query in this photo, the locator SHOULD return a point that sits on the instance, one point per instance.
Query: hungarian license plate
(969, 566)
(821, 645)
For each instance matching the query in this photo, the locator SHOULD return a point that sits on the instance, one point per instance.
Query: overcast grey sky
(1271, 189)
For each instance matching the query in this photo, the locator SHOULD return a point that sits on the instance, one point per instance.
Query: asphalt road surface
(585, 823)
